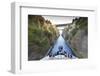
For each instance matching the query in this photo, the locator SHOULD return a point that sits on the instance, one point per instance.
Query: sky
(59, 19)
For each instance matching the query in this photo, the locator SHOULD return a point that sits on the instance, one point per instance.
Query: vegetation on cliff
(41, 35)
(77, 36)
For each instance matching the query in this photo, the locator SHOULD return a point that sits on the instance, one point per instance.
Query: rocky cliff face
(77, 36)
(41, 35)
(79, 44)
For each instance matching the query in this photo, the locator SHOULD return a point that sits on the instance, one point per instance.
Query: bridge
(63, 25)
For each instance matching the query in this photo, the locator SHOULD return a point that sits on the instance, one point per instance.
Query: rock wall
(77, 36)
(41, 35)
(79, 43)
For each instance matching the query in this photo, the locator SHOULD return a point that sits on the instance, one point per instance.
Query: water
(60, 42)
(66, 49)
